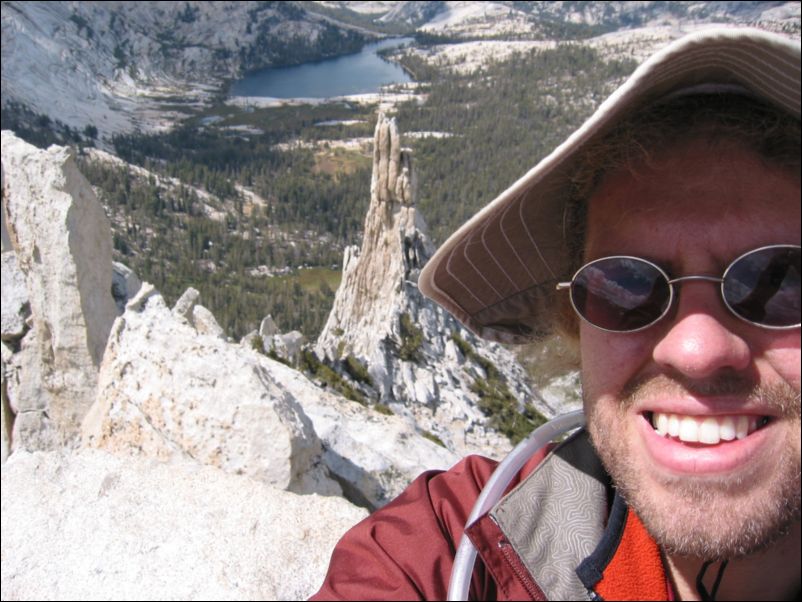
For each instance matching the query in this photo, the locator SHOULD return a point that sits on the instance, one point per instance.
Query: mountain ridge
(121, 66)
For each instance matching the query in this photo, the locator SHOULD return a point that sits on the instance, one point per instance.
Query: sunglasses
(628, 294)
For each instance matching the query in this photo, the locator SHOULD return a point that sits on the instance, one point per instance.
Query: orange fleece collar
(627, 564)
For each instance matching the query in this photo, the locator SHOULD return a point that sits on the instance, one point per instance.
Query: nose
(702, 337)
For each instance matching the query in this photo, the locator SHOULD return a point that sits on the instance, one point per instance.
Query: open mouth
(708, 430)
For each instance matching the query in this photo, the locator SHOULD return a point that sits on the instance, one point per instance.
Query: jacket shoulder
(405, 550)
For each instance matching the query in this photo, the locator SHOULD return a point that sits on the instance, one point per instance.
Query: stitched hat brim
(497, 273)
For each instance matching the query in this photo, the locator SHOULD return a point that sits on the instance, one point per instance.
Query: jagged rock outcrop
(422, 362)
(62, 242)
(89, 525)
(18, 381)
(268, 327)
(286, 347)
(168, 389)
(189, 311)
(170, 386)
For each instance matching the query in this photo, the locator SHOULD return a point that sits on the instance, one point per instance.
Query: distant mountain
(120, 66)
(114, 65)
(564, 19)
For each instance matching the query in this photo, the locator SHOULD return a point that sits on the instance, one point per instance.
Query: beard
(709, 517)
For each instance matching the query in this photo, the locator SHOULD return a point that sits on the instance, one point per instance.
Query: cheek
(610, 360)
(783, 357)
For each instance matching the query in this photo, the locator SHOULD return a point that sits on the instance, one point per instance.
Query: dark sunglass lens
(763, 286)
(620, 293)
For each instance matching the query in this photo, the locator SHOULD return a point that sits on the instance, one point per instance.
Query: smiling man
(696, 416)
(664, 235)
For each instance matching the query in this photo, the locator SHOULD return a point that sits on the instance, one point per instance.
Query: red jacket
(560, 533)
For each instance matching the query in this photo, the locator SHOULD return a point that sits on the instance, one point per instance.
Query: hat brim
(497, 273)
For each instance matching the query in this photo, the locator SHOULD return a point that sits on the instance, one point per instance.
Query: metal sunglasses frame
(671, 281)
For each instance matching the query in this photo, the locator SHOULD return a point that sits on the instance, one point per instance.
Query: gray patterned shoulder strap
(555, 518)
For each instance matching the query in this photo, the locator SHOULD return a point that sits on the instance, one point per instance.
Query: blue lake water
(360, 73)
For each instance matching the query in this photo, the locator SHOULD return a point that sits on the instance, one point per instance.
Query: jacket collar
(626, 564)
(562, 528)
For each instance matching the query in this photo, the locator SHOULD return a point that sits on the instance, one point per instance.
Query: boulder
(248, 340)
(87, 525)
(288, 346)
(186, 303)
(124, 285)
(205, 322)
(268, 328)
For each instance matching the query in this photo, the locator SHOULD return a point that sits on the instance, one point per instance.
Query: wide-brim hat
(498, 272)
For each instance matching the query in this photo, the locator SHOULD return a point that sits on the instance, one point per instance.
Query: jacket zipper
(514, 561)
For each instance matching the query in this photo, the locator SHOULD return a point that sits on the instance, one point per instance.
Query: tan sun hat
(498, 272)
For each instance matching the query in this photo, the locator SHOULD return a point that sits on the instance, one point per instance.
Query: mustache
(780, 397)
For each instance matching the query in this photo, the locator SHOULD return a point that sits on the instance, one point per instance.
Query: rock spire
(395, 245)
(421, 361)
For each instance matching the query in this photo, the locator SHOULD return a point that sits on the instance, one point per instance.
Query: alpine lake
(363, 72)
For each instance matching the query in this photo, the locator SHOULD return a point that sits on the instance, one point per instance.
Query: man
(668, 226)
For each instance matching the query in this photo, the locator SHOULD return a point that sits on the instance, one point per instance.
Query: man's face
(692, 211)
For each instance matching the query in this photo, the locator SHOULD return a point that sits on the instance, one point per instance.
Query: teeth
(709, 430)
(726, 429)
(742, 427)
(673, 425)
(688, 430)
(661, 423)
